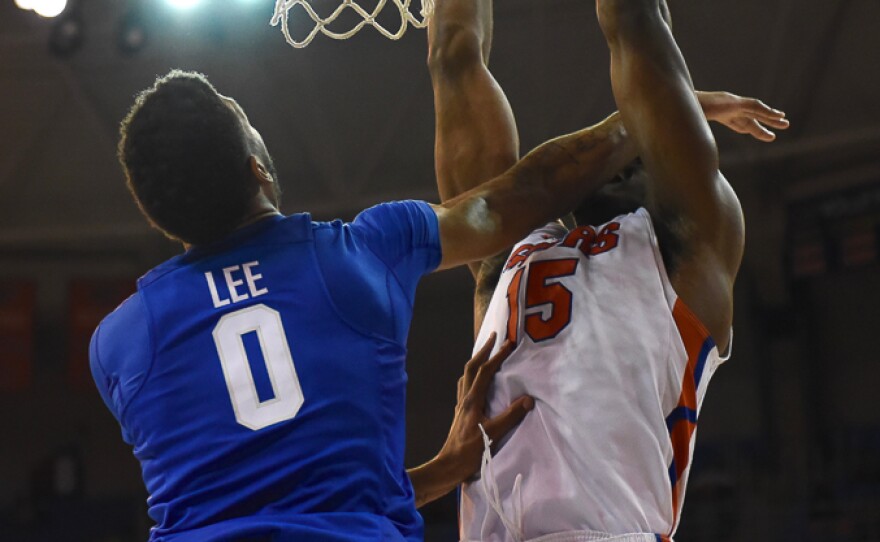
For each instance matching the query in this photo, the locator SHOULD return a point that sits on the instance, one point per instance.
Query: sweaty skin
(653, 89)
(477, 139)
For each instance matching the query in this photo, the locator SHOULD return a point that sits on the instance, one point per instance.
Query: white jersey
(618, 367)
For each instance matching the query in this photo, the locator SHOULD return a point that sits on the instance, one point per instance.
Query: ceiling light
(49, 8)
(184, 4)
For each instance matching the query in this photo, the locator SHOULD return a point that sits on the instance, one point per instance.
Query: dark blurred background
(789, 440)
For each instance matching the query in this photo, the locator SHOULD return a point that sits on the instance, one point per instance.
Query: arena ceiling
(350, 123)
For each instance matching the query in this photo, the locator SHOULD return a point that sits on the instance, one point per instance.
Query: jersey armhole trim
(682, 308)
(326, 290)
(152, 337)
(726, 355)
(671, 295)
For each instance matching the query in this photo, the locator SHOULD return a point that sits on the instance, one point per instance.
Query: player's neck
(257, 216)
(261, 207)
(261, 210)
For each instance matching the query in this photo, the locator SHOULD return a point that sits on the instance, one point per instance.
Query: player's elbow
(620, 18)
(453, 49)
(706, 154)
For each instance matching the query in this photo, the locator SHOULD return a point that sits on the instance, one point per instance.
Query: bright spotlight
(25, 4)
(49, 8)
(184, 4)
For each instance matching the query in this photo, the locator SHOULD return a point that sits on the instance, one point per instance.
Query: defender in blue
(259, 376)
(261, 380)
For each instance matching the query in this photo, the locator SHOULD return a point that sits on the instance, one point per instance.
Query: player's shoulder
(122, 335)
(390, 229)
(121, 353)
(370, 219)
(403, 212)
(129, 316)
(129, 312)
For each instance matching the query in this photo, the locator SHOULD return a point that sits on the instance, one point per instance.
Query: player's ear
(259, 171)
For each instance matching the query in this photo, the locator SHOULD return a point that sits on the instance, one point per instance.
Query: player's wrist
(444, 463)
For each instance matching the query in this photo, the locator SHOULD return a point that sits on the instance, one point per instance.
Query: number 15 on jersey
(545, 301)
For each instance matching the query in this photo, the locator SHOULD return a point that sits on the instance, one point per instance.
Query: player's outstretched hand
(465, 441)
(743, 115)
(459, 459)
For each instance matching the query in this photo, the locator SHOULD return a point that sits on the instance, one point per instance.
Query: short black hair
(185, 157)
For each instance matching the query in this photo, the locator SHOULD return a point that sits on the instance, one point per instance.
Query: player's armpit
(487, 274)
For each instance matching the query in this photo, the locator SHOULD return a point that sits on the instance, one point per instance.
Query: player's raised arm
(547, 183)
(653, 89)
(655, 95)
(476, 135)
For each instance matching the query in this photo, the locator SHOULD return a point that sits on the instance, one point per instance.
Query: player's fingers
(474, 364)
(759, 132)
(776, 123)
(501, 424)
(759, 108)
(771, 117)
(484, 376)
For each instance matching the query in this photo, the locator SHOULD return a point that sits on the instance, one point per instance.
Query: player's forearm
(546, 184)
(584, 160)
(433, 480)
(558, 175)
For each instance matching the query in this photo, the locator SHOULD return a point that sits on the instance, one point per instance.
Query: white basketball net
(283, 7)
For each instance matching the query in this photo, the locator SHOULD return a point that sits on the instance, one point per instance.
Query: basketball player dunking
(619, 322)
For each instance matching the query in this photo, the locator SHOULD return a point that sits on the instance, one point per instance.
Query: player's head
(624, 194)
(195, 166)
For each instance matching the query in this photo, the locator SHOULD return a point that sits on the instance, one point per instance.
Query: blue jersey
(261, 380)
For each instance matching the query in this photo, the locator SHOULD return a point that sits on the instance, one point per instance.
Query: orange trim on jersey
(682, 422)
(513, 307)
